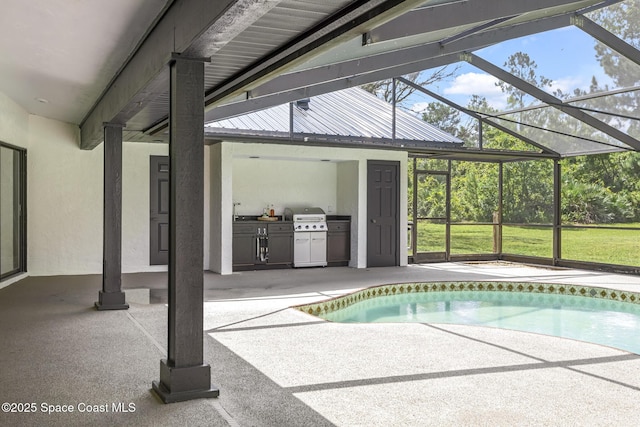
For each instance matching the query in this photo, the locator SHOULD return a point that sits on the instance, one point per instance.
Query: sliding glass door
(12, 210)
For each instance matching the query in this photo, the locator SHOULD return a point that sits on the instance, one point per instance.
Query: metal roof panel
(351, 112)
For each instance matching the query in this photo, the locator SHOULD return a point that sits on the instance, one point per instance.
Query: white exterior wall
(64, 201)
(291, 176)
(207, 210)
(136, 191)
(221, 208)
(14, 123)
(65, 186)
(260, 183)
(64, 196)
(349, 200)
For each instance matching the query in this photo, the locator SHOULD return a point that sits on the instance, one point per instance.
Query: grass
(607, 246)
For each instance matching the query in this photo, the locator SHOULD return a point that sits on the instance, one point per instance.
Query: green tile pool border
(328, 306)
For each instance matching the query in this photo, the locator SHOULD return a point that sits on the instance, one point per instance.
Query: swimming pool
(602, 316)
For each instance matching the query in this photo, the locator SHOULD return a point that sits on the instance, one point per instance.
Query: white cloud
(478, 84)
(473, 84)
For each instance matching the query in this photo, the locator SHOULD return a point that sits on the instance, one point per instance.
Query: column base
(111, 301)
(180, 384)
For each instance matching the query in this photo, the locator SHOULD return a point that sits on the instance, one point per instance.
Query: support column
(183, 375)
(111, 296)
(500, 206)
(557, 212)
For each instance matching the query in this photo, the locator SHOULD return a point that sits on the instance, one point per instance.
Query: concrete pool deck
(276, 366)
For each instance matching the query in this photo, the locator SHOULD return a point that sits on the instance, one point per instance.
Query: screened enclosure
(550, 123)
(519, 211)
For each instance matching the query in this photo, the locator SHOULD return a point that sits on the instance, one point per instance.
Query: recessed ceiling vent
(303, 103)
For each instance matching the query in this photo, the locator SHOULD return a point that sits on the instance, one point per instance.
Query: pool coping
(340, 302)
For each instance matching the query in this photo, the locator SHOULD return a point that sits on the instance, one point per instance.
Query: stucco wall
(349, 201)
(14, 123)
(259, 183)
(64, 196)
(65, 199)
(220, 207)
(135, 205)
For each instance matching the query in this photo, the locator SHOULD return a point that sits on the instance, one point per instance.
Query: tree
(622, 20)
(522, 66)
(383, 89)
(449, 120)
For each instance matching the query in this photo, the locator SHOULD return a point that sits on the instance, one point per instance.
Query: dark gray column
(111, 296)
(500, 205)
(557, 212)
(183, 375)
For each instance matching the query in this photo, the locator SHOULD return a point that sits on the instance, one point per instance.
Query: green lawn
(596, 245)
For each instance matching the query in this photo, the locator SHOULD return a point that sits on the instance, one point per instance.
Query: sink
(246, 218)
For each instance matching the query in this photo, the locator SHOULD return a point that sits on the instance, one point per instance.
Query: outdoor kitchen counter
(339, 218)
(247, 231)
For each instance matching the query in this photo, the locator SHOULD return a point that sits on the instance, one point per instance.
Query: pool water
(601, 321)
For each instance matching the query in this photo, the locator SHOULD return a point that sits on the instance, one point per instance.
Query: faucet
(235, 216)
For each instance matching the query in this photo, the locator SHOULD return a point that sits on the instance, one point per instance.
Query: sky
(566, 56)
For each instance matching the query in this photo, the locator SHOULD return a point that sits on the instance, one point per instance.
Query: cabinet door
(244, 249)
(281, 248)
(301, 252)
(318, 248)
(338, 247)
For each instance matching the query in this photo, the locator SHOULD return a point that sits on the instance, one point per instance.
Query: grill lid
(297, 214)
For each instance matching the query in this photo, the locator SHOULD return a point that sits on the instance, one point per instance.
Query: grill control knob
(314, 226)
(306, 226)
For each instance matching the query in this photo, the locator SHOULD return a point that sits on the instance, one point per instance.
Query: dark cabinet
(280, 243)
(246, 244)
(338, 242)
(244, 249)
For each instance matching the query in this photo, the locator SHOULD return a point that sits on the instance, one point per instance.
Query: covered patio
(183, 63)
(280, 367)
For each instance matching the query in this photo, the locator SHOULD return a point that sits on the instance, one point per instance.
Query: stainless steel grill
(310, 236)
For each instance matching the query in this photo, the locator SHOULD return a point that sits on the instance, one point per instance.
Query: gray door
(159, 211)
(383, 206)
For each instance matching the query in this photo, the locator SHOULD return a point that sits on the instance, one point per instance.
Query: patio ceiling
(269, 52)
